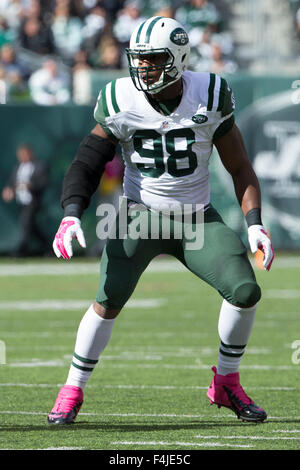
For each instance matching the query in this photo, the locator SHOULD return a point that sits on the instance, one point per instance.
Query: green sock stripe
(83, 359)
(85, 369)
(233, 346)
(231, 354)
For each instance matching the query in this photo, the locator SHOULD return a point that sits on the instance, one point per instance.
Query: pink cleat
(67, 405)
(226, 390)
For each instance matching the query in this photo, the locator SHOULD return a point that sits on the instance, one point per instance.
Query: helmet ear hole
(183, 57)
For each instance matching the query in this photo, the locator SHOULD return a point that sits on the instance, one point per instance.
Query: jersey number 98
(179, 162)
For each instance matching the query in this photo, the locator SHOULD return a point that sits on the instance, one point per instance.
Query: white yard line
(282, 293)
(67, 304)
(146, 415)
(179, 443)
(61, 448)
(287, 430)
(157, 365)
(198, 366)
(125, 415)
(62, 268)
(256, 438)
(82, 304)
(143, 387)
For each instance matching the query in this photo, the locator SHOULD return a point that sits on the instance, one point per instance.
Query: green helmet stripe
(150, 27)
(211, 91)
(138, 35)
(113, 97)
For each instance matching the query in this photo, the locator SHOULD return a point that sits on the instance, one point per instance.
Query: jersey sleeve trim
(212, 82)
(110, 105)
(106, 107)
(113, 97)
(221, 95)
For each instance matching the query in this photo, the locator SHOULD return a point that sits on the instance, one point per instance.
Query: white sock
(235, 325)
(92, 337)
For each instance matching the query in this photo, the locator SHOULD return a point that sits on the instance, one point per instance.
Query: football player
(166, 120)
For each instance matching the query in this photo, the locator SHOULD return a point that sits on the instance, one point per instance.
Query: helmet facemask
(141, 75)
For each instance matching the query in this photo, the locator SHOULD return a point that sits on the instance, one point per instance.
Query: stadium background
(253, 44)
(149, 389)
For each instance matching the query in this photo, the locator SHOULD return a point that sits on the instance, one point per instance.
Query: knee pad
(247, 294)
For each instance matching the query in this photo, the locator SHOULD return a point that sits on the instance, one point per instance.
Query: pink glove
(259, 240)
(70, 227)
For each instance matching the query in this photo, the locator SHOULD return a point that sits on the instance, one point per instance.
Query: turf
(149, 390)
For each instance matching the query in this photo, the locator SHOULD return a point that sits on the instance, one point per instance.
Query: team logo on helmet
(179, 37)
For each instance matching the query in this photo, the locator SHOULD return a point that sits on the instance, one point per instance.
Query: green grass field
(149, 389)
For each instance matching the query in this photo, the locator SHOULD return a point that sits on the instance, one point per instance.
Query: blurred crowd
(47, 46)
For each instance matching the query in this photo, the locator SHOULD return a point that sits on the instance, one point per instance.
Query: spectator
(81, 78)
(204, 46)
(7, 35)
(112, 7)
(14, 74)
(81, 61)
(12, 11)
(209, 57)
(26, 185)
(36, 37)
(48, 86)
(67, 32)
(128, 19)
(9, 60)
(93, 26)
(220, 65)
(107, 55)
(167, 12)
(298, 22)
(3, 86)
(198, 14)
(154, 7)
(32, 9)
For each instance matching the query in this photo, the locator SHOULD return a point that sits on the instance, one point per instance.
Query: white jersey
(166, 156)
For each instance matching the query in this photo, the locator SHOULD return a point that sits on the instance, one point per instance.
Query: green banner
(271, 130)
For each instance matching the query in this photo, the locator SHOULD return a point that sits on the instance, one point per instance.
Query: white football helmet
(158, 35)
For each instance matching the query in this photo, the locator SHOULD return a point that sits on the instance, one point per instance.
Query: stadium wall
(267, 111)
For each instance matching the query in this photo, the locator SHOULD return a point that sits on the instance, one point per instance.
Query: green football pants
(222, 261)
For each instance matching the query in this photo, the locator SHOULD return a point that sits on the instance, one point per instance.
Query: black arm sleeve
(84, 174)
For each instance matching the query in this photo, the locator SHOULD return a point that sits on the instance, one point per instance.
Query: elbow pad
(84, 173)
